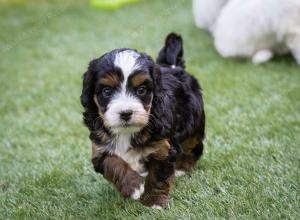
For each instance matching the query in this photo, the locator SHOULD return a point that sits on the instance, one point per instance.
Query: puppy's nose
(126, 115)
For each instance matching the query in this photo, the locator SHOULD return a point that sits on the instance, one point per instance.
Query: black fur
(98, 163)
(177, 111)
(172, 52)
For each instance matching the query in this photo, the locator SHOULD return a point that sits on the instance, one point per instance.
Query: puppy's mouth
(126, 124)
(130, 124)
(127, 128)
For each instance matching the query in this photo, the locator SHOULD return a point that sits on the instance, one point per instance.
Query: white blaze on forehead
(127, 62)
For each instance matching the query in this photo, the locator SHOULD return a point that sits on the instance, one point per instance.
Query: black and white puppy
(146, 120)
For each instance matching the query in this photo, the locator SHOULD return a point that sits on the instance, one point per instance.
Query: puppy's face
(124, 90)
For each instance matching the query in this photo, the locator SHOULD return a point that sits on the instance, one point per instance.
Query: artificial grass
(250, 168)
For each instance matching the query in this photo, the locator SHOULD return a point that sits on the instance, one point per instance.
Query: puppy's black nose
(126, 115)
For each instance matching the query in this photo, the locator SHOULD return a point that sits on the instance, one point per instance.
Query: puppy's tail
(172, 52)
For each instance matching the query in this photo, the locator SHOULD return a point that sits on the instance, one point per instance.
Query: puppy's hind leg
(192, 151)
(262, 56)
(161, 167)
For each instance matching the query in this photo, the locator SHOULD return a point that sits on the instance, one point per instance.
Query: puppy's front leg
(161, 170)
(118, 172)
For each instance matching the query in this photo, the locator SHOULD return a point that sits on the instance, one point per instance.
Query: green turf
(251, 165)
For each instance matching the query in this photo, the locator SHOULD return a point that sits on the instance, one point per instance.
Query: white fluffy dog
(257, 29)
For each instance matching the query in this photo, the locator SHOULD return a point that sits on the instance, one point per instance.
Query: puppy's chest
(134, 158)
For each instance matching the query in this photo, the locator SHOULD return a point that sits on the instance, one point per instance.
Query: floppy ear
(161, 107)
(156, 77)
(88, 87)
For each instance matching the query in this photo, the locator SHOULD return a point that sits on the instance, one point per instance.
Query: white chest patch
(124, 150)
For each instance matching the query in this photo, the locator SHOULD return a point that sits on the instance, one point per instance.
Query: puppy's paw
(138, 192)
(156, 207)
(262, 56)
(155, 201)
(132, 186)
(179, 173)
(144, 174)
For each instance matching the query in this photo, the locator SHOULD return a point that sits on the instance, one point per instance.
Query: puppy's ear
(172, 52)
(88, 87)
(156, 76)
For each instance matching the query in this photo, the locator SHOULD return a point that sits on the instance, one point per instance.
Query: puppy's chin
(129, 129)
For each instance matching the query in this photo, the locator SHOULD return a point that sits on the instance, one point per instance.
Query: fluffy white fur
(156, 207)
(138, 192)
(179, 173)
(256, 29)
(123, 101)
(124, 150)
(206, 12)
(126, 60)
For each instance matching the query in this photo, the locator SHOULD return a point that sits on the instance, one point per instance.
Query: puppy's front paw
(156, 207)
(132, 185)
(179, 173)
(138, 192)
(155, 201)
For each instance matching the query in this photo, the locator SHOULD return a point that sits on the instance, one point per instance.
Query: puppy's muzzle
(126, 115)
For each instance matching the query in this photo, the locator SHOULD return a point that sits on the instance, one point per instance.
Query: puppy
(255, 29)
(206, 12)
(146, 120)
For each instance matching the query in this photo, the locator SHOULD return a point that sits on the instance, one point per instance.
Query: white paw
(144, 174)
(156, 207)
(179, 173)
(262, 56)
(138, 192)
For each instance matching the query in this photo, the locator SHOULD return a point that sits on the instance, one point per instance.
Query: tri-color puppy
(146, 120)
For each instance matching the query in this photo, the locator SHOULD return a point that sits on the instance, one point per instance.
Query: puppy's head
(119, 85)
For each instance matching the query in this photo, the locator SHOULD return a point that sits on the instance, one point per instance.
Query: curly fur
(176, 114)
(256, 29)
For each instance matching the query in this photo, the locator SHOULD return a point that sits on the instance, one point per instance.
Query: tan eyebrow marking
(138, 79)
(110, 79)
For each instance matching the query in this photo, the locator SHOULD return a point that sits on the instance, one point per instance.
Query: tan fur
(186, 161)
(161, 149)
(141, 119)
(138, 79)
(189, 144)
(121, 175)
(111, 80)
(97, 150)
(148, 107)
(126, 180)
(100, 111)
(118, 172)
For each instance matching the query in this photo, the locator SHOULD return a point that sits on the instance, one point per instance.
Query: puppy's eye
(141, 91)
(107, 92)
